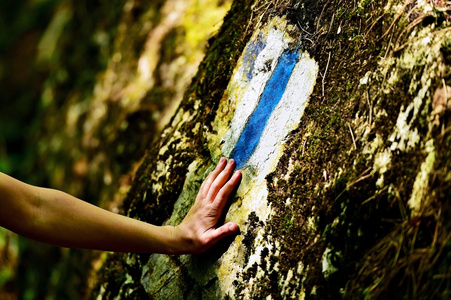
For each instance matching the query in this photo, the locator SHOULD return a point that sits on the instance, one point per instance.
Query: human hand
(198, 230)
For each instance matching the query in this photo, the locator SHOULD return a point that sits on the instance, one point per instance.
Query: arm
(57, 218)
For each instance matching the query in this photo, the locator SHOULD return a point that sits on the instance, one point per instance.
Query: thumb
(223, 231)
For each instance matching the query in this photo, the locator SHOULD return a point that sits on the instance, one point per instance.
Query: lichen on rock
(337, 113)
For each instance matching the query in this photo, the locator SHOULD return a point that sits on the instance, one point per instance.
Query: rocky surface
(337, 113)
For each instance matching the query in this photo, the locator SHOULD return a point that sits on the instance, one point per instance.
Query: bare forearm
(69, 222)
(60, 219)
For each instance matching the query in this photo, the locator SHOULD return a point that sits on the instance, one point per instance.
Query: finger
(221, 179)
(212, 176)
(223, 195)
(221, 232)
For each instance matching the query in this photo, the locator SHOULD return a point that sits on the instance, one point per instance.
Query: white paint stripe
(286, 116)
(248, 100)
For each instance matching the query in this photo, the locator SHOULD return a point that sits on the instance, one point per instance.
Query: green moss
(364, 222)
(154, 191)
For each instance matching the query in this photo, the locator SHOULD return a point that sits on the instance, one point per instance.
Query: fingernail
(222, 160)
(233, 227)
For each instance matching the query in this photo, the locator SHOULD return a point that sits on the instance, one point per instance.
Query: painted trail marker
(269, 90)
(264, 102)
(257, 121)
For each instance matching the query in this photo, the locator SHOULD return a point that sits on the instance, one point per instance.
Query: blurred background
(85, 89)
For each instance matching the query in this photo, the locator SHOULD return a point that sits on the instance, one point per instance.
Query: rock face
(337, 113)
(338, 116)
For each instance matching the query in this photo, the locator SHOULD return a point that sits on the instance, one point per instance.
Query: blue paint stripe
(271, 96)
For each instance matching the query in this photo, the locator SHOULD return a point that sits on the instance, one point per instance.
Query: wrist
(177, 240)
(184, 241)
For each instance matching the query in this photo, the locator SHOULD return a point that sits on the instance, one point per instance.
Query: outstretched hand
(58, 218)
(199, 229)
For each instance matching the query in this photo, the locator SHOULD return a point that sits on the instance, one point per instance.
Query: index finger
(221, 180)
(211, 177)
(224, 193)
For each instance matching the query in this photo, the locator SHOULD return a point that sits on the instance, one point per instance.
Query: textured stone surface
(338, 115)
(328, 109)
